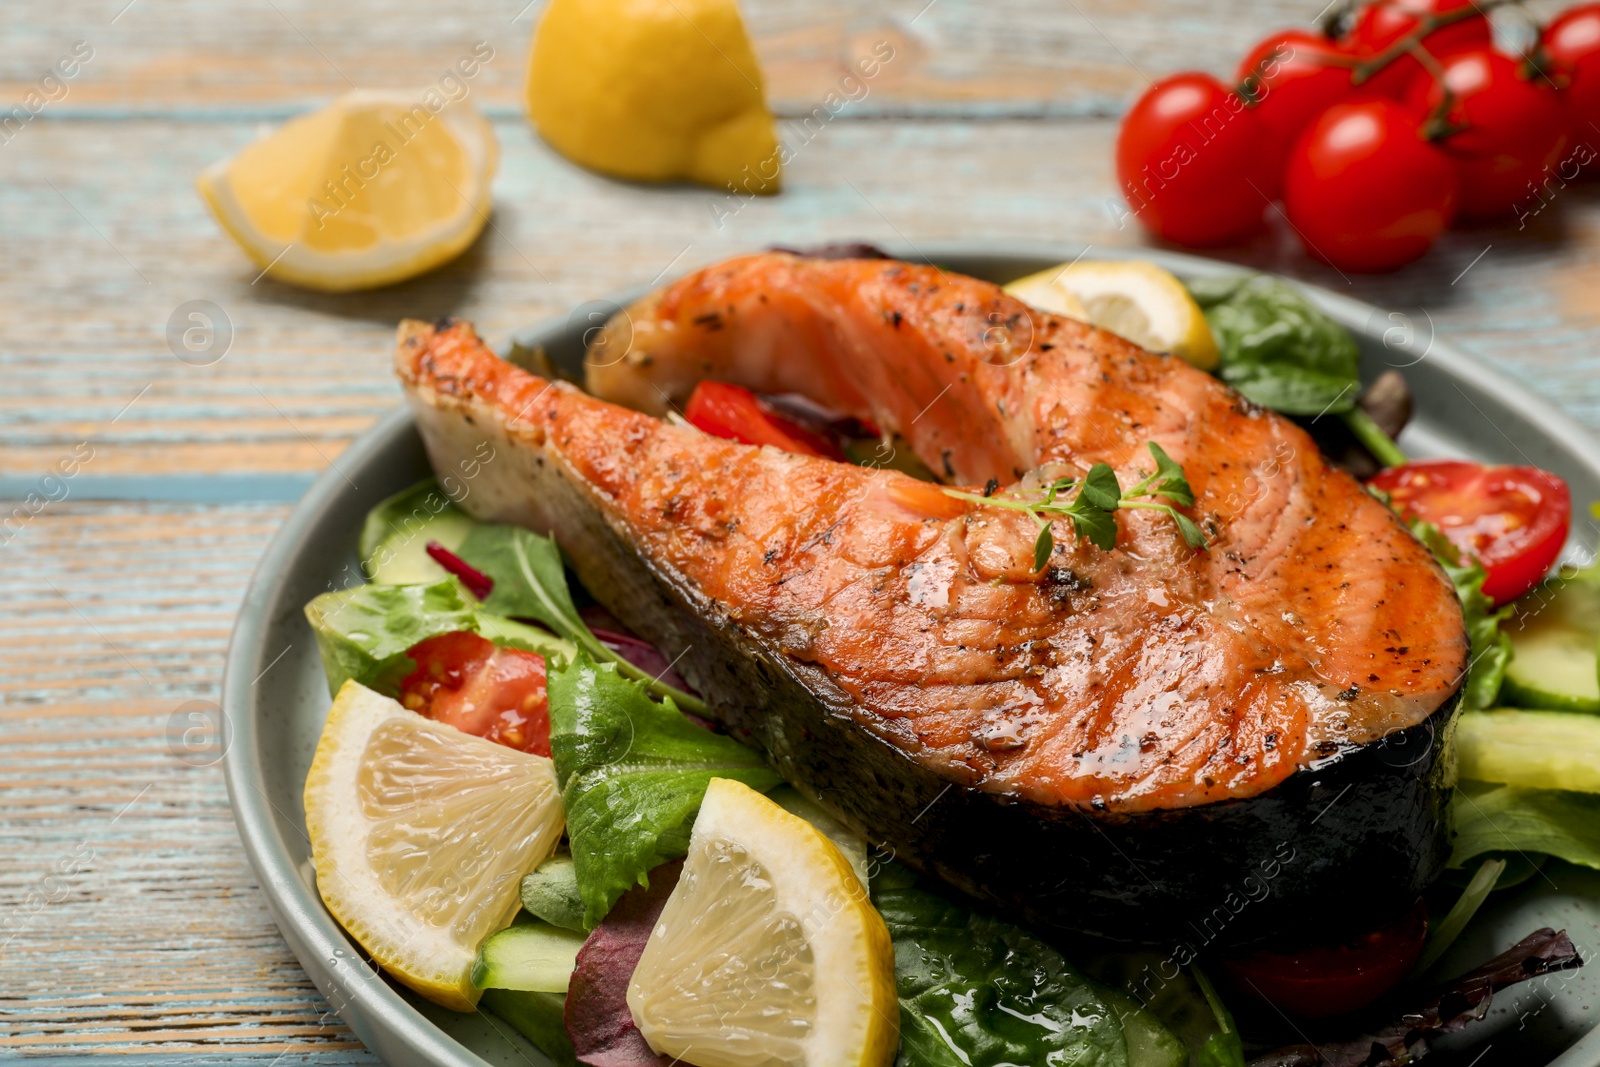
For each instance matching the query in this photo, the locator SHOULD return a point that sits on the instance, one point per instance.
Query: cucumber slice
(1535, 749)
(396, 533)
(531, 956)
(402, 557)
(1149, 1043)
(550, 892)
(539, 1017)
(1555, 638)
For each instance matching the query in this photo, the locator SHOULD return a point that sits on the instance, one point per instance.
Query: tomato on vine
(1381, 25)
(1571, 45)
(1293, 76)
(1188, 160)
(1364, 190)
(1510, 126)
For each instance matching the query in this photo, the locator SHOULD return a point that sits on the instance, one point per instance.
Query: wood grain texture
(129, 918)
(1032, 56)
(106, 238)
(993, 122)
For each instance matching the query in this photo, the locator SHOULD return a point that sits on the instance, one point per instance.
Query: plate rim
(384, 1021)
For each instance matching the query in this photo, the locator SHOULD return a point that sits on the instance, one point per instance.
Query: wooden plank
(129, 919)
(108, 238)
(1083, 57)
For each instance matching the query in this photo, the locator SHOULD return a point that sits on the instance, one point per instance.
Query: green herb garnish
(1098, 495)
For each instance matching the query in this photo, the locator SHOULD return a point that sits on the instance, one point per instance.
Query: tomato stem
(1426, 24)
(1372, 438)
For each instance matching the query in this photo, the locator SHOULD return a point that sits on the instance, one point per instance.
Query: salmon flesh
(1142, 743)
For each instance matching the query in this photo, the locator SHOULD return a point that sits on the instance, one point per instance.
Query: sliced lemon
(420, 835)
(1041, 291)
(768, 950)
(374, 188)
(654, 90)
(1131, 298)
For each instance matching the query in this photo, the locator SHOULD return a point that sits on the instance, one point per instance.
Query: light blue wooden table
(129, 920)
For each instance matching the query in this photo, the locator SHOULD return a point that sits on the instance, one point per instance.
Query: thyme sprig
(1098, 495)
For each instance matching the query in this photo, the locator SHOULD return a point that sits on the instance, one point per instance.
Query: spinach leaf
(1276, 348)
(530, 581)
(1511, 819)
(1490, 651)
(363, 633)
(632, 775)
(976, 992)
(1174, 997)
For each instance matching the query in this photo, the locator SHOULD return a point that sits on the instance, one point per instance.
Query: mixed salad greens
(633, 762)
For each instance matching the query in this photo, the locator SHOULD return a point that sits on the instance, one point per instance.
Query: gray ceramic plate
(275, 697)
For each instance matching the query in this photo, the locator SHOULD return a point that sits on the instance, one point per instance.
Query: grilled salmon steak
(1122, 742)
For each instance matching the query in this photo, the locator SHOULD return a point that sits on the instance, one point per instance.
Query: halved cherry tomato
(478, 687)
(1325, 980)
(1514, 519)
(734, 412)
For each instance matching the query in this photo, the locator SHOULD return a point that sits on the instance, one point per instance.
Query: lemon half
(420, 835)
(1132, 298)
(768, 950)
(374, 188)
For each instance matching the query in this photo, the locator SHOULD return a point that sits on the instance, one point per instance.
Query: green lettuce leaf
(1509, 819)
(633, 774)
(1491, 647)
(1276, 348)
(976, 991)
(530, 581)
(363, 633)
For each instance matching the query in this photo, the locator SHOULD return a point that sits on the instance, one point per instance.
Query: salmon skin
(1127, 743)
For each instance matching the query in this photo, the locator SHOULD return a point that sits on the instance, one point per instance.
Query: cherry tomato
(1515, 127)
(1325, 980)
(734, 412)
(482, 689)
(1514, 519)
(1294, 76)
(1572, 45)
(1363, 189)
(1382, 24)
(1189, 159)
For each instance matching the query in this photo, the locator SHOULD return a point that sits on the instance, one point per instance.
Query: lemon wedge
(768, 950)
(654, 90)
(374, 188)
(1131, 298)
(420, 835)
